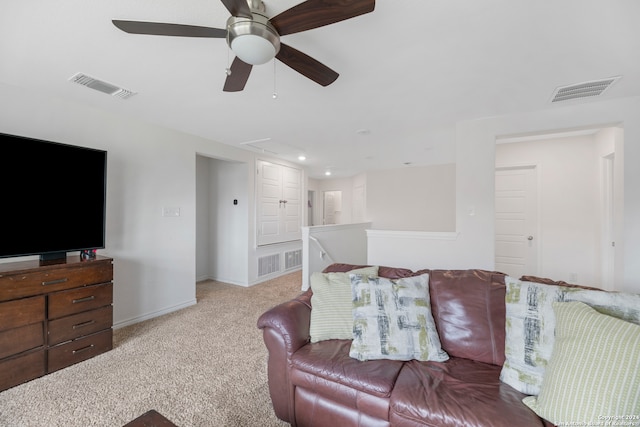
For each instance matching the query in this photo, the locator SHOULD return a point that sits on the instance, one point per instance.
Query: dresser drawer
(21, 312)
(67, 354)
(37, 282)
(17, 340)
(78, 300)
(85, 323)
(23, 368)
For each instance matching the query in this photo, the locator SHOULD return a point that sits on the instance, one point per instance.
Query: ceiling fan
(255, 38)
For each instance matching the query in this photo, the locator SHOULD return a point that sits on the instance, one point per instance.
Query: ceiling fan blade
(163, 29)
(317, 13)
(306, 65)
(238, 8)
(236, 81)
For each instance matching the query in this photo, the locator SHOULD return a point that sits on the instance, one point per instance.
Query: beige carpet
(204, 365)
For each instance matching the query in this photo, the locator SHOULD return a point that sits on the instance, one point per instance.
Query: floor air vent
(268, 264)
(101, 86)
(292, 259)
(583, 90)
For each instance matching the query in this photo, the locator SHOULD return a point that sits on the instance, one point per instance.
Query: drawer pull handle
(80, 350)
(75, 301)
(54, 282)
(87, 323)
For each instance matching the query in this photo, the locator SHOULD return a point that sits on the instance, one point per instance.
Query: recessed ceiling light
(327, 173)
(301, 157)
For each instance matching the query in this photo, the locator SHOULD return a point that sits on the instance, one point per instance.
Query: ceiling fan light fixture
(255, 41)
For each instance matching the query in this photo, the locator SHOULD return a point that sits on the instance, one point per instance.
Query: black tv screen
(53, 197)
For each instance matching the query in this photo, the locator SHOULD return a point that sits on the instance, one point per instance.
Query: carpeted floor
(202, 366)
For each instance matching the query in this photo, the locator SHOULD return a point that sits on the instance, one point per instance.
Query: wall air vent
(292, 259)
(268, 264)
(101, 86)
(583, 90)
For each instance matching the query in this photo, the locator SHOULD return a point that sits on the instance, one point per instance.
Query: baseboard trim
(275, 275)
(153, 314)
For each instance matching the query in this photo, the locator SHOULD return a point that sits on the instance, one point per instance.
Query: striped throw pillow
(331, 307)
(531, 322)
(593, 375)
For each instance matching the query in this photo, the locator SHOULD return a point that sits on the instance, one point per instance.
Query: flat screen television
(53, 198)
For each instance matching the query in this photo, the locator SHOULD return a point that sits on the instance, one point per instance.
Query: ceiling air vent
(101, 86)
(583, 90)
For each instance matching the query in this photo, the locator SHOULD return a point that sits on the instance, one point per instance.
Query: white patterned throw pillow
(593, 377)
(392, 320)
(530, 325)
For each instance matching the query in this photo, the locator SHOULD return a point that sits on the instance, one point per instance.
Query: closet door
(279, 203)
(292, 212)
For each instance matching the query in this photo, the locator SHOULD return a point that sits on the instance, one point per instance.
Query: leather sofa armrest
(291, 320)
(285, 329)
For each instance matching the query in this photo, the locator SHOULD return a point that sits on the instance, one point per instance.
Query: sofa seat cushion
(330, 360)
(459, 392)
(328, 381)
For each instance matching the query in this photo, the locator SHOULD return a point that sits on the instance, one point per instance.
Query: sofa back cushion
(386, 272)
(468, 308)
(469, 311)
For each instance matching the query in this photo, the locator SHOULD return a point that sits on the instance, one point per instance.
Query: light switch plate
(171, 211)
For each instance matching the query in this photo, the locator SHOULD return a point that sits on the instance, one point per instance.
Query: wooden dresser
(53, 315)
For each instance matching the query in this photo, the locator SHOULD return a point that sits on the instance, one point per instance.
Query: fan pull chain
(275, 93)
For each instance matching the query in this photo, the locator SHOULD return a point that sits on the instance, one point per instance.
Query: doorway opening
(311, 202)
(332, 207)
(564, 216)
(516, 220)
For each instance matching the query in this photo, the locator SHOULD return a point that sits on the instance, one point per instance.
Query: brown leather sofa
(318, 384)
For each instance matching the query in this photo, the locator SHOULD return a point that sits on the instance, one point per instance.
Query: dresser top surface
(19, 267)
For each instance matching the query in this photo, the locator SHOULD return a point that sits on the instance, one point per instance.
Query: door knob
(530, 238)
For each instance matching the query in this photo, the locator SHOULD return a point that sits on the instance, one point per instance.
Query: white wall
(414, 250)
(149, 167)
(338, 184)
(325, 244)
(475, 161)
(412, 198)
(225, 225)
(475, 176)
(568, 202)
(231, 251)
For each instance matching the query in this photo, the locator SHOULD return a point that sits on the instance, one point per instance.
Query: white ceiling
(408, 71)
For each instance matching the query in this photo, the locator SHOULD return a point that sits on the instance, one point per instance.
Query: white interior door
(516, 221)
(269, 197)
(329, 208)
(291, 204)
